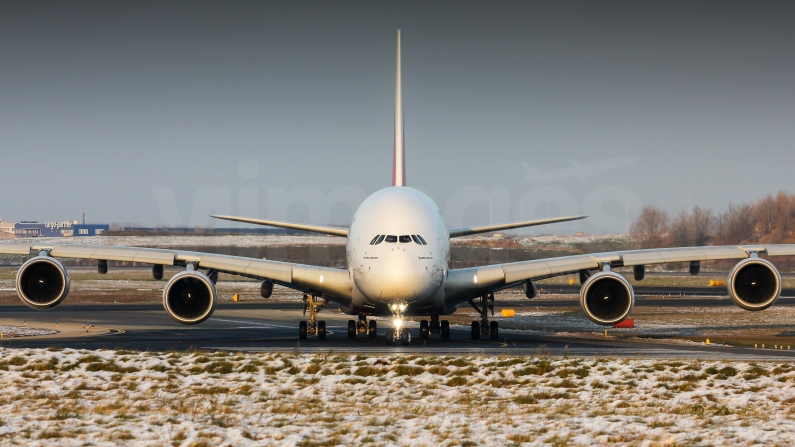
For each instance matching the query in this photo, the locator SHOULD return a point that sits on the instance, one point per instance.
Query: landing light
(402, 307)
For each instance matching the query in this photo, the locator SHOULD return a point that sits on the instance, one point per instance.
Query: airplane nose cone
(398, 276)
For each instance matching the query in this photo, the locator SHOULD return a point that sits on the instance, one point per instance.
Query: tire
(390, 336)
(424, 330)
(321, 330)
(351, 329)
(372, 331)
(494, 331)
(302, 330)
(445, 329)
(475, 330)
(405, 337)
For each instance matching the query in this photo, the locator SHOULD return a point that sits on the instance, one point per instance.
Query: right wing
(334, 231)
(323, 281)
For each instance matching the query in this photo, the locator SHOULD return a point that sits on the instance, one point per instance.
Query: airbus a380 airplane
(398, 251)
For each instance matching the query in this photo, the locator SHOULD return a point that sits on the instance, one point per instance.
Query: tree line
(770, 220)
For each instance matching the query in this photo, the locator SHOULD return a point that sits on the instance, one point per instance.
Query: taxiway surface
(272, 326)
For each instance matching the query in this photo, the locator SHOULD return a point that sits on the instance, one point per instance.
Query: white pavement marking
(265, 325)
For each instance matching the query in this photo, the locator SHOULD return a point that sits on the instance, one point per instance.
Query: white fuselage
(410, 261)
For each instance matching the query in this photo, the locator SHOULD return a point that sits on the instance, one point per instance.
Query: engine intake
(607, 298)
(754, 284)
(189, 297)
(42, 282)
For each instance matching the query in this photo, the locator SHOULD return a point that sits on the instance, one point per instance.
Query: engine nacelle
(189, 297)
(754, 284)
(42, 282)
(607, 298)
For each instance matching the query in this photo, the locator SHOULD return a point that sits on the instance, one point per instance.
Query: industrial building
(89, 229)
(7, 227)
(66, 228)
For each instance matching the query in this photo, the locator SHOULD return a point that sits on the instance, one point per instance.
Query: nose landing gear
(313, 327)
(483, 326)
(398, 332)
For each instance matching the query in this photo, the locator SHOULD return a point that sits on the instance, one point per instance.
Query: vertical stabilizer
(399, 157)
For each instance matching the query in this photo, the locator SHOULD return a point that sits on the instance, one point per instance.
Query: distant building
(47, 229)
(89, 229)
(7, 227)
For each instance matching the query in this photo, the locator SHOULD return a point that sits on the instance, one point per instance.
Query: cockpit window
(422, 241)
(416, 241)
(391, 239)
(405, 239)
(380, 239)
(374, 239)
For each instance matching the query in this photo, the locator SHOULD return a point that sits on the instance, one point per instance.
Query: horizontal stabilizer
(334, 231)
(466, 231)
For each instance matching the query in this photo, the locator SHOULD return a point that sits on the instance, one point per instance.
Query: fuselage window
(391, 239)
(405, 239)
(380, 239)
(422, 240)
(374, 239)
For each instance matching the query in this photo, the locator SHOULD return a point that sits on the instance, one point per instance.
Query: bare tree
(700, 219)
(681, 229)
(740, 224)
(651, 227)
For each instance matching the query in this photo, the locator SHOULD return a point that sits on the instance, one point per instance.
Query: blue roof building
(90, 229)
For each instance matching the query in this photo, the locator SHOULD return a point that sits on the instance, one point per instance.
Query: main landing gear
(314, 327)
(362, 327)
(398, 332)
(483, 326)
(435, 327)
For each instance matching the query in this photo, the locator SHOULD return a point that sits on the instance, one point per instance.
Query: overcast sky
(163, 112)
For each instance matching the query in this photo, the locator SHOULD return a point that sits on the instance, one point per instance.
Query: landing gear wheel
(434, 326)
(445, 329)
(372, 330)
(321, 330)
(475, 330)
(424, 330)
(302, 330)
(493, 330)
(405, 337)
(351, 329)
(390, 336)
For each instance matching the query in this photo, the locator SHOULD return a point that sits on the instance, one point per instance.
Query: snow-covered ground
(108, 398)
(24, 331)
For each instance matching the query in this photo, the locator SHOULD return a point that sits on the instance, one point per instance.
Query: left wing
(468, 283)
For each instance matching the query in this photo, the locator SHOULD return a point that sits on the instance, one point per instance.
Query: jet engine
(607, 298)
(754, 284)
(42, 282)
(189, 297)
